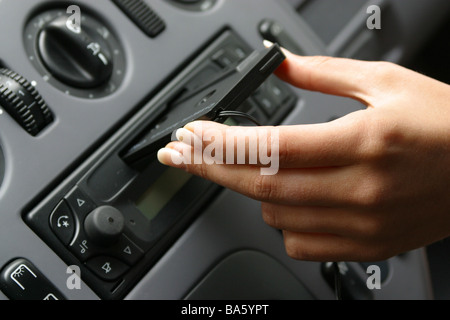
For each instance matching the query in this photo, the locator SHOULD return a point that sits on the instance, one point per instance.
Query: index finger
(336, 76)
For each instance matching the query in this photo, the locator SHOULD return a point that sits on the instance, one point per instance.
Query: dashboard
(86, 214)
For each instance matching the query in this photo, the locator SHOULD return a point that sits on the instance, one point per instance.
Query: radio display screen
(162, 191)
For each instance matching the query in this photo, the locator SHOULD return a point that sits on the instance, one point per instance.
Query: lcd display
(162, 191)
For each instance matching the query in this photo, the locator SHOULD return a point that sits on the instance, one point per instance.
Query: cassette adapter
(224, 93)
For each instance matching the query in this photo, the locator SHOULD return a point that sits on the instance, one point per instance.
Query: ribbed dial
(22, 101)
(143, 16)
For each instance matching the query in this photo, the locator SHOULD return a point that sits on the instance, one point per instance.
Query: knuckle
(303, 253)
(264, 187)
(295, 251)
(372, 228)
(388, 76)
(371, 193)
(371, 149)
(203, 171)
(384, 69)
(390, 138)
(269, 214)
(382, 138)
(200, 170)
(299, 250)
(285, 154)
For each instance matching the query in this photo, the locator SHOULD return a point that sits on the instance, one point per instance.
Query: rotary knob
(22, 101)
(81, 57)
(104, 225)
(77, 57)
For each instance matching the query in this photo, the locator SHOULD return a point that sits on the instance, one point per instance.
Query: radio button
(266, 103)
(80, 203)
(62, 222)
(127, 251)
(223, 58)
(107, 268)
(83, 248)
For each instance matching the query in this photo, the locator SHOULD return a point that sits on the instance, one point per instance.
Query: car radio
(117, 213)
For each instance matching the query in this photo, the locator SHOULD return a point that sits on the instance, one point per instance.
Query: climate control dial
(86, 61)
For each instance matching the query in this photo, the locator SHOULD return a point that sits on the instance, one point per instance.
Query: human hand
(365, 187)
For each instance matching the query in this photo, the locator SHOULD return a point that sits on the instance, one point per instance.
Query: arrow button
(126, 250)
(80, 203)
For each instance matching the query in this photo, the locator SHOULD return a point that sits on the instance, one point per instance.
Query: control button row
(124, 250)
(115, 256)
(271, 96)
(21, 280)
(110, 263)
(229, 56)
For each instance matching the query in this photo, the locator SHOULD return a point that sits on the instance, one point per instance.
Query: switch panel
(21, 280)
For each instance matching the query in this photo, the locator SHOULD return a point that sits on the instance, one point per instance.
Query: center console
(87, 87)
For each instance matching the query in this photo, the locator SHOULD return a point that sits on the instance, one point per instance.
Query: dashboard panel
(85, 83)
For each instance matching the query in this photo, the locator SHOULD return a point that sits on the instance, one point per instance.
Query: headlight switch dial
(86, 61)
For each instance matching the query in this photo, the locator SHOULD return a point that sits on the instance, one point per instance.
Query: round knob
(76, 56)
(21, 100)
(104, 225)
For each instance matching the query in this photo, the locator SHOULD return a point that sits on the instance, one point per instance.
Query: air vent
(143, 16)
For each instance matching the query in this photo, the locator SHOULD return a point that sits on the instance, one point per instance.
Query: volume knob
(104, 225)
(22, 101)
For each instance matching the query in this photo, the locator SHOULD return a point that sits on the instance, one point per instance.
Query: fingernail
(170, 157)
(188, 137)
(267, 43)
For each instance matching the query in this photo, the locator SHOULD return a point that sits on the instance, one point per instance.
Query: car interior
(90, 90)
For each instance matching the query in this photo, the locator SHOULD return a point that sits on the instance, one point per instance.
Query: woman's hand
(365, 187)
